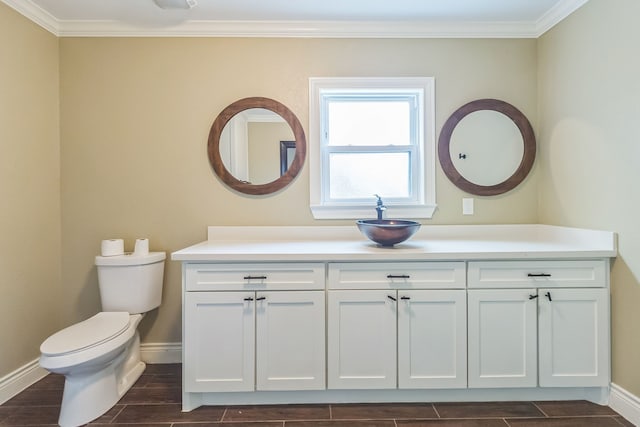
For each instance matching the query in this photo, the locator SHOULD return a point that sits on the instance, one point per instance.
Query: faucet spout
(380, 207)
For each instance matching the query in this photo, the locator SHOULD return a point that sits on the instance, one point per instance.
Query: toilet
(100, 356)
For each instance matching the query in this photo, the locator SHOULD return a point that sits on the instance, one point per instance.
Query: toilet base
(88, 395)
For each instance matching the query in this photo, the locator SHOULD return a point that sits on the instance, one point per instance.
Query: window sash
(412, 167)
(412, 99)
(391, 96)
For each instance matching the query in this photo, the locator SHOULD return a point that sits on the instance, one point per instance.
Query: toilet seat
(92, 332)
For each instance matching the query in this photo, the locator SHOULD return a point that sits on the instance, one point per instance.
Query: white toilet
(100, 357)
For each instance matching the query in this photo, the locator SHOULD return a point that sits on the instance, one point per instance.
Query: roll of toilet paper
(112, 247)
(141, 247)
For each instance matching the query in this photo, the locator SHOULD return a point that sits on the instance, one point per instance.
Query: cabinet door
(432, 339)
(361, 339)
(502, 327)
(574, 337)
(290, 337)
(219, 341)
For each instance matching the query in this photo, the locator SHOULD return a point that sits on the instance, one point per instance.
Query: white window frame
(424, 203)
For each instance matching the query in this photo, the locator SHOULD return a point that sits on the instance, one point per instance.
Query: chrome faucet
(380, 207)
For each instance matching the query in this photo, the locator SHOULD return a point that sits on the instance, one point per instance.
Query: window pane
(369, 123)
(361, 175)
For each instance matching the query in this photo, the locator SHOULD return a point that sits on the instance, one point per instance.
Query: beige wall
(30, 294)
(589, 103)
(135, 116)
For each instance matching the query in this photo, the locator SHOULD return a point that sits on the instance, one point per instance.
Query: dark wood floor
(155, 401)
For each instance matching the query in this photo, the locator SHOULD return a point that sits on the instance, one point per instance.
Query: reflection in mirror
(245, 144)
(482, 138)
(287, 153)
(250, 145)
(487, 147)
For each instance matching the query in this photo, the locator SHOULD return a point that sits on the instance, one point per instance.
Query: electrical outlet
(467, 206)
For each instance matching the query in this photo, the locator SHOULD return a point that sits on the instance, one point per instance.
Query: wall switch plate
(467, 206)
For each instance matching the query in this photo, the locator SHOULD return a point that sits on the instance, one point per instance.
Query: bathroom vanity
(463, 313)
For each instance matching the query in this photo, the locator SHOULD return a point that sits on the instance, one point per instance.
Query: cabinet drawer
(536, 274)
(219, 277)
(397, 275)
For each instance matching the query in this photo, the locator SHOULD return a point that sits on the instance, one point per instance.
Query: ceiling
(300, 18)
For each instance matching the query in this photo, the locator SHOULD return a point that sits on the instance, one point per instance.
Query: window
(371, 136)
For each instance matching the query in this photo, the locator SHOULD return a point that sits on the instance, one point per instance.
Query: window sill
(362, 212)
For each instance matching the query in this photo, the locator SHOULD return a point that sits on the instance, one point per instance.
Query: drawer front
(537, 274)
(220, 277)
(397, 275)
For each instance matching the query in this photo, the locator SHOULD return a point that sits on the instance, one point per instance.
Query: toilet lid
(93, 331)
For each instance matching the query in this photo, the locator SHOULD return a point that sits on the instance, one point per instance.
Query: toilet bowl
(100, 360)
(100, 356)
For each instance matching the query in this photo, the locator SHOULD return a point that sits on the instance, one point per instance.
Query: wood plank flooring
(155, 401)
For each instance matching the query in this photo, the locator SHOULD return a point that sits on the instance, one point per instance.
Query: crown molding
(301, 29)
(304, 29)
(556, 14)
(35, 13)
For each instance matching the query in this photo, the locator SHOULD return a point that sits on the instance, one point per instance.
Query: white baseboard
(161, 352)
(625, 403)
(18, 380)
(27, 375)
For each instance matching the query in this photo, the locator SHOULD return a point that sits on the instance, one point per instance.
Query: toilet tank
(131, 283)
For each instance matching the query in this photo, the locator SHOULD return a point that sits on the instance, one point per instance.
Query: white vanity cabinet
(254, 327)
(538, 323)
(396, 325)
(318, 314)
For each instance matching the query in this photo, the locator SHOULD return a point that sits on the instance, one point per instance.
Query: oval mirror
(256, 146)
(487, 147)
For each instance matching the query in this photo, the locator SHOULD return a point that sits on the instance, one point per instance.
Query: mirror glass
(250, 145)
(482, 138)
(256, 146)
(487, 147)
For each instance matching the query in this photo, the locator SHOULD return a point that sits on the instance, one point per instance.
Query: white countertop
(431, 242)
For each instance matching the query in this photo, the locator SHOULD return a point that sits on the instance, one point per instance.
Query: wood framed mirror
(487, 147)
(238, 156)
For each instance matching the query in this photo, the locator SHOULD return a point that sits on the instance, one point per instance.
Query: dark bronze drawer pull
(538, 275)
(391, 298)
(255, 277)
(398, 276)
